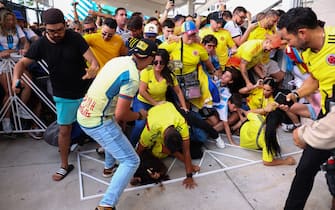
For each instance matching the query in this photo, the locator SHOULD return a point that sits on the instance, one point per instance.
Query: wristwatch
(297, 97)
(189, 175)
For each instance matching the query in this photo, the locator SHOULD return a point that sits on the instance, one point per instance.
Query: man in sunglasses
(89, 25)
(66, 54)
(106, 44)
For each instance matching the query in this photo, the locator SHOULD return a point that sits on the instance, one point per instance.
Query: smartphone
(280, 98)
(172, 1)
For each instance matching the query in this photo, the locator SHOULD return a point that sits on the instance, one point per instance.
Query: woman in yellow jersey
(260, 95)
(260, 133)
(154, 82)
(186, 55)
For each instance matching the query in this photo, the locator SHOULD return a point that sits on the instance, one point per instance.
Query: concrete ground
(230, 178)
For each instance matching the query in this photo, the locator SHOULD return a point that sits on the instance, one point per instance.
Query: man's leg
(66, 115)
(64, 141)
(116, 144)
(303, 181)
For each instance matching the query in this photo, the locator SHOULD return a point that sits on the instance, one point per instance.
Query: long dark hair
(166, 73)
(273, 120)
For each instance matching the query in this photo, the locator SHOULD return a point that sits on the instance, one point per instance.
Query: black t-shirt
(66, 64)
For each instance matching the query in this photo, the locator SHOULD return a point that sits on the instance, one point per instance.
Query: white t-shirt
(222, 106)
(233, 28)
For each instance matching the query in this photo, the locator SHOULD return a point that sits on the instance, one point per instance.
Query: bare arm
(123, 112)
(19, 68)
(169, 5)
(309, 86)
(92, 71)
(180, 96)
(275, 162)
(241, 39)
(100, 14)
(75, 13)
(228, 133)
(188, 182)
(210, 66)
(244, 72)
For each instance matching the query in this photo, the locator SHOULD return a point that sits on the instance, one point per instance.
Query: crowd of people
(179, 82)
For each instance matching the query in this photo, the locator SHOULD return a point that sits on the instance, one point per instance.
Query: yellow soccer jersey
(256, 99)
(261, 33)
(156, 89)
(322, 64)
(118, 78)
(159, 118)
(251, 51)
(249, 132)
(192, 54)
(105, 50)
(224, 43)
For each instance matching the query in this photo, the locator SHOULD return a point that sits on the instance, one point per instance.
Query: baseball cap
(144, 48)
(150, 29)
(18, 15)
(216, 16)
(189, 28)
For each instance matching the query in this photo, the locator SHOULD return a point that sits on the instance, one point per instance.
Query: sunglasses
(88, 30)
(159, 62)
(106, 34)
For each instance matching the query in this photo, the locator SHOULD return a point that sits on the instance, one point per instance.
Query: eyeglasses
(89, 30)
(242, 17)
(159, 62)
(55, 31)
(107, 34)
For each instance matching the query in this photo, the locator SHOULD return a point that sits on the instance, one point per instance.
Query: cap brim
(191, 32)
(150, 34)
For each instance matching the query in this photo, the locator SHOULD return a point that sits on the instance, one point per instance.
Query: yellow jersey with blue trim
(322, 64)
(119, 78)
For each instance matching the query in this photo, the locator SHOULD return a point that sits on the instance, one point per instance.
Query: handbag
(189, 83)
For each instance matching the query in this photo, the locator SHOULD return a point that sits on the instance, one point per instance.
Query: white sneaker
(23, 114)
(6, 126)
(220, 143)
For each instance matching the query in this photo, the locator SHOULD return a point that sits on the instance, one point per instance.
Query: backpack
(51, 134)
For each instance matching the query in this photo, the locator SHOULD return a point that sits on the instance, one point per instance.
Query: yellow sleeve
(146, 139)
(144, 76)
(175, 81)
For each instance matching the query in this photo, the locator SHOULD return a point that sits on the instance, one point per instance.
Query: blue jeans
(139, 124)
(117, 147)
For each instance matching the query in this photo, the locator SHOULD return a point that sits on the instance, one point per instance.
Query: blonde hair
(3, 30)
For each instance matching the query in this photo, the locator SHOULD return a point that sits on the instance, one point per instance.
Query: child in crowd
(227, 105)
(210, 42)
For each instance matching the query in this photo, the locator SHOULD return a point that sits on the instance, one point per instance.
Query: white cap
(150, 29)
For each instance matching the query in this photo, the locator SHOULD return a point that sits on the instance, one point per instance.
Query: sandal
(61, 173)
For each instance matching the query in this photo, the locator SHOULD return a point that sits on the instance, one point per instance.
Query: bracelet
(140, 116)
(297, 97)
(189, 175)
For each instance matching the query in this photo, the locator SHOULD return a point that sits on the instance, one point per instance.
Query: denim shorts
(66, 110)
